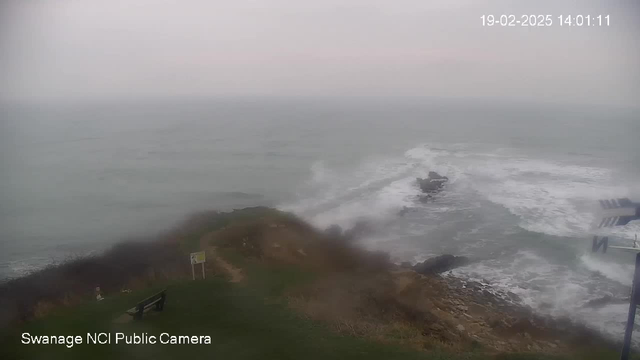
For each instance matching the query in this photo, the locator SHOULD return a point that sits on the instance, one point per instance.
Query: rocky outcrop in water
(433, 183)
(440, 264)
(425, 198)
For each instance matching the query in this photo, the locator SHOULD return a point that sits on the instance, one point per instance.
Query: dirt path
(234, 273)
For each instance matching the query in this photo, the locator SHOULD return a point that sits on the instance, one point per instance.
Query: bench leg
(139, 312)
(160, 304)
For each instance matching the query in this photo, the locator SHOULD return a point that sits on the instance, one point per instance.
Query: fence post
(633, 303)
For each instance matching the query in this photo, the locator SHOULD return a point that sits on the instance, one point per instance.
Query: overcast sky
(86, 50)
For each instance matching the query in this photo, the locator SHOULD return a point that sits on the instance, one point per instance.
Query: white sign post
(197, 258)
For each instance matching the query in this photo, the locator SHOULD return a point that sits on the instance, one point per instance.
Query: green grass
(269, 281)
(241, 323)
(242, 326)
(245, 321)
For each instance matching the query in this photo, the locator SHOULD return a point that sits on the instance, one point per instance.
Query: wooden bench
(154, 301)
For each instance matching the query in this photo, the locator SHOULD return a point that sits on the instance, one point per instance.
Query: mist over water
(524, 182)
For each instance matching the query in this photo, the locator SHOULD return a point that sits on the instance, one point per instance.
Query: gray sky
(86, 50)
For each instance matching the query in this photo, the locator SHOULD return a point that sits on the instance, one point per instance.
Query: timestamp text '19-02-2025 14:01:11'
(510, 20)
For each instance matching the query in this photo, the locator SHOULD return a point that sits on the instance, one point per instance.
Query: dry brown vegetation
(286, 239)
(362, 293)
(132, 264)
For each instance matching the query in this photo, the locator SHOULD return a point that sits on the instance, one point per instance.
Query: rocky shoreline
(360, 290)
(498, 319)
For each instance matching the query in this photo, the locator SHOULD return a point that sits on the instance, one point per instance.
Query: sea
(521, 201)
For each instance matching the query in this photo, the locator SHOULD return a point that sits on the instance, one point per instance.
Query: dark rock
(440, 264)
(433, 183)
(435, 176)
(428, 186)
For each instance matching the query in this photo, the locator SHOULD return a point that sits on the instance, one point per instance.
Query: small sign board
(197, 257)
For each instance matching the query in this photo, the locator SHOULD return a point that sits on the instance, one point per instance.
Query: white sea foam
(319, 173)
(622, 273)
(558, 289)
(375, 190)
(547, 197)
(551, 198)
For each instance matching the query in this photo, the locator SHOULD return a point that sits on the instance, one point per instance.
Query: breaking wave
(375, 190)
(547, 197)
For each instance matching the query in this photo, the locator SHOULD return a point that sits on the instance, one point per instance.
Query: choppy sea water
(521, 200)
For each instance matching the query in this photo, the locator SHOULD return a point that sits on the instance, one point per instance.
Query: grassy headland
(276, 288)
